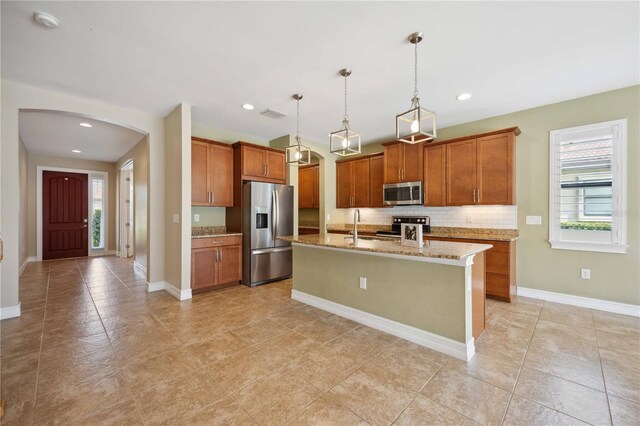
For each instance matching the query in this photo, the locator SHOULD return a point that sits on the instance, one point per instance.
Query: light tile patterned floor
(92, 347)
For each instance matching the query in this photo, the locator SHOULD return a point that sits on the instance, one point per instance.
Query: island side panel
(478, 290)
(428, 296)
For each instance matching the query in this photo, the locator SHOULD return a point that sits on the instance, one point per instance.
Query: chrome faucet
(356, 219)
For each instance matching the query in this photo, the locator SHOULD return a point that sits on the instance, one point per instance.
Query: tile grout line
(119, 368)
(515, 384)
(44, 317)
(604, 381)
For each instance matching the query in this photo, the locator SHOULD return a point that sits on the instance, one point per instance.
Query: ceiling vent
(272, 113)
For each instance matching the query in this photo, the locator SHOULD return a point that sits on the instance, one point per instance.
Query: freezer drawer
(269, 265)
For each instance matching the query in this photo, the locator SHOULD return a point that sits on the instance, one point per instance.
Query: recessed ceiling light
(77, 151)
(46, 20)
(248, 107)
(463, 96)
(86, 125)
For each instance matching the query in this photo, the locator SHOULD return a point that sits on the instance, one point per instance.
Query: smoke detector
(272, 113)
(46, 20)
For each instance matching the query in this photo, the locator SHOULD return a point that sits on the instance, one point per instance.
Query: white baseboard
(140, 267)
(10, 312)
(32, 259)
(29, 259)
(156, 286)
(176, 292)
(430, 340)
(111, 252)
(583, 302)
(172, 290)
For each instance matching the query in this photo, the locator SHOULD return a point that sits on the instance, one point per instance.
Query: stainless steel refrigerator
(267, 214)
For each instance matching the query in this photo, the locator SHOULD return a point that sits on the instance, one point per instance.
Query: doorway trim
(91, 252)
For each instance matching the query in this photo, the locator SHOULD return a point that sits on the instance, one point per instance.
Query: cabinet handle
(474, 196)
(399, 174)
(402, 174)
(213, 198)
(267, 169)
(478, 196)
(220, 251)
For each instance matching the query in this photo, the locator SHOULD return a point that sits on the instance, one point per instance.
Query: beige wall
(177, 167)
(24, 203)
(70, 163)
(16, 96)
(215, 216)
(614, 277)
(139, 154)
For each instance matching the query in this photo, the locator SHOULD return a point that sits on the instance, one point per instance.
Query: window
(588, 187)
(97, 212)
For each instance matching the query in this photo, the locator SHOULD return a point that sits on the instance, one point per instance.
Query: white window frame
(618, 240)
(103, 237)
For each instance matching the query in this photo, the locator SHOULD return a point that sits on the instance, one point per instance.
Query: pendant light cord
(298, 121)
(346, 116)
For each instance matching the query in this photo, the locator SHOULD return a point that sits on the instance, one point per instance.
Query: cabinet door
(411, 162)
(343, 185)
(275, 165)
(435, 176)
(253, 162)
(316, 187)
(221, 175)
(495, 181)
(461, 173)
(392, 163)
(199, 174)
(203, 267)
(376, 179)
(360, 183)
(230, 265)
(306, 187)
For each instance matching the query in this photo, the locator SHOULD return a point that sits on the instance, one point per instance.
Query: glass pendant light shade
(417, 124)
(298, 154)
(345, 142)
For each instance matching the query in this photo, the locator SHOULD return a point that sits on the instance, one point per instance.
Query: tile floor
(92, 347)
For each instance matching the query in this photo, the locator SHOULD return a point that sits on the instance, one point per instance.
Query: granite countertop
(491, 234)
(211, 231)
(432, 249)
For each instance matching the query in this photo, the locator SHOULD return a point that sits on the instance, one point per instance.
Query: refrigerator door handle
(277, 205)
(273, 215)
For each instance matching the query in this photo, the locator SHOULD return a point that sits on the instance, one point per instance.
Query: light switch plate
(363, 283)
(196, 217)
(534, 220)
(585, 273)
(176, 218)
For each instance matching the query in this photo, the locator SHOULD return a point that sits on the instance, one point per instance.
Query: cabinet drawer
(216, 241)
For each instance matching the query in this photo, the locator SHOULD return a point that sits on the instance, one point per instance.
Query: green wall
(428, 296)
(614, 277)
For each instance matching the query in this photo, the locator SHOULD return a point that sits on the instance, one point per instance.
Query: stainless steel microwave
(402, 194)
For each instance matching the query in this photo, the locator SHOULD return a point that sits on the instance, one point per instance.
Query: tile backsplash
(498, 217)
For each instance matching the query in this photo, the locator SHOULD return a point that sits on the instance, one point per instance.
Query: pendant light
(345, 141)
(417, 124)
(298, 154)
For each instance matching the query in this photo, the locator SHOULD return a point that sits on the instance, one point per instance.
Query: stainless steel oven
(402, 194)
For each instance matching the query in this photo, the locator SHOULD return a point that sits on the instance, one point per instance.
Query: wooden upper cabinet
(343, 185)
(376, 180)
(262, 164)
(495, 169)
(211, 173)
(360, 182)
(402, 162)
(481, 170)
(435, 176)
(199, 173)
(352, 183)
(461, 173)
(308, 187)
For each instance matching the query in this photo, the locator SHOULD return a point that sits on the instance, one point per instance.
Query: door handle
(84, 226)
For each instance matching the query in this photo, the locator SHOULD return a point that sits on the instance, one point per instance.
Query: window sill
(585, 246)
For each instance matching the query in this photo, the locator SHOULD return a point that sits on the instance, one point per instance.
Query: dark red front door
(65, 205)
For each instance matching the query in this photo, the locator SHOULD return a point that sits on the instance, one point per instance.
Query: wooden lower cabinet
(500, 267)
(216, 262)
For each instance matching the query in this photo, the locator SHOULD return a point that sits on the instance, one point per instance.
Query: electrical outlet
(363, 283)
(196, 218)
(585, 273)
(328, 217)
(534, 220)
(176, 218)
(469, 219)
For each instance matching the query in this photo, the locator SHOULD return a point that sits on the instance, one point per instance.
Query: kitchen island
(433, 296)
